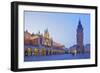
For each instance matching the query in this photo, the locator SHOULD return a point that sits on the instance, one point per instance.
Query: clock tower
(80, 37)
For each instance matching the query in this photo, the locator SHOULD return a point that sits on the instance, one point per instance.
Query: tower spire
(46, 31)
(79, 26)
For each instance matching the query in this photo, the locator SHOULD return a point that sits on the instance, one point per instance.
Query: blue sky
(61, 26)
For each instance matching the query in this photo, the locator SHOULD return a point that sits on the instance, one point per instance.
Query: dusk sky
(61, 26)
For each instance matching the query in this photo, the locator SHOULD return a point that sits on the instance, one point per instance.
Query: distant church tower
(80, 36)
(46, 33)
(46, 38)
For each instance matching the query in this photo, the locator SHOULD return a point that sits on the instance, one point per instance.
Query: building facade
(41, 44)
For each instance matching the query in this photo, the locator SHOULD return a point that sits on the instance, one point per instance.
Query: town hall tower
(80, 37)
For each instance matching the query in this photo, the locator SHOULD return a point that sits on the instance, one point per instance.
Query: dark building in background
(80, 37)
